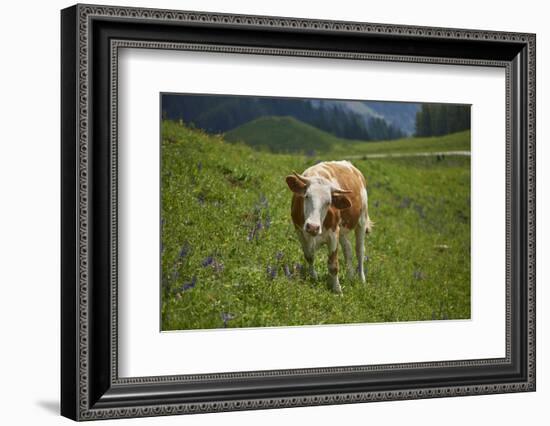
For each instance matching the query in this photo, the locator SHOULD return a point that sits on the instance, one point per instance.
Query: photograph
(279, 212)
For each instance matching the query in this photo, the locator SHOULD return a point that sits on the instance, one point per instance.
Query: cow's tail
(370, 225)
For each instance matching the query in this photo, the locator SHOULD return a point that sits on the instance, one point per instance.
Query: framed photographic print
(263, 212)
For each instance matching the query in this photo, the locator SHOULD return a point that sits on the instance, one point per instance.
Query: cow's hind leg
(308, 248)
(333, 262)
(360, 231)
(346, 248)
(363, 227)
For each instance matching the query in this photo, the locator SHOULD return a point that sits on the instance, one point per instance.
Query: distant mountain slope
(282, 134)
(221, 113)
(357, 107)
(399, 114)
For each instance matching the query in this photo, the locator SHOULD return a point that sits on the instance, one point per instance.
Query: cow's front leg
(333, 261)
(308, 247)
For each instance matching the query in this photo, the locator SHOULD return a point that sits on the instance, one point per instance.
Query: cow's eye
(306, 196)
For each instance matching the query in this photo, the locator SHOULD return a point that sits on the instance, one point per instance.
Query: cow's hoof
(336, 288)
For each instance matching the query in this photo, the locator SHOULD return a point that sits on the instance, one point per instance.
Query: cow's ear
(295, 184)
(341, 201)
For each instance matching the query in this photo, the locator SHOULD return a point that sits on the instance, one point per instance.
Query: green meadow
(230, 257)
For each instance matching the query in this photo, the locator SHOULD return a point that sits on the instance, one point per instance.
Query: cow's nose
(312, 229)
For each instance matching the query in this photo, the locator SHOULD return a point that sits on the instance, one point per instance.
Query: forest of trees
(442, 119)
(219, 114)
(222, 113)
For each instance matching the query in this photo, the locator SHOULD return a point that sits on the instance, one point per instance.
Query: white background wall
(29, 213)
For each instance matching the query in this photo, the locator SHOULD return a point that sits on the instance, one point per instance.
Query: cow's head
(319, 195)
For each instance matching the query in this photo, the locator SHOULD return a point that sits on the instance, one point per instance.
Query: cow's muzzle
(312, 229)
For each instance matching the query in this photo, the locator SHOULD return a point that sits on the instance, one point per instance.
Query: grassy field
(230, 257)
(453, 142)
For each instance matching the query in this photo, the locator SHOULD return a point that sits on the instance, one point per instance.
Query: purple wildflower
(226, 316)
(254, 233)
(257, 229)
(207, 261)
(286, 269)
(191, 284)
(298, 268)
(185, 248)
(257, 209)
(263, 200)
(267, 221)
(279, 255)
(271, 272)
(201, 199)
(258, 225)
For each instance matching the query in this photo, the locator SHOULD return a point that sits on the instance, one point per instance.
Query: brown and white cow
(329, 200)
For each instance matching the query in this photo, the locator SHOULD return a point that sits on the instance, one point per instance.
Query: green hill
(282, 134)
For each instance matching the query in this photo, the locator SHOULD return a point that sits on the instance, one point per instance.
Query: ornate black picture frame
(91, 36)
